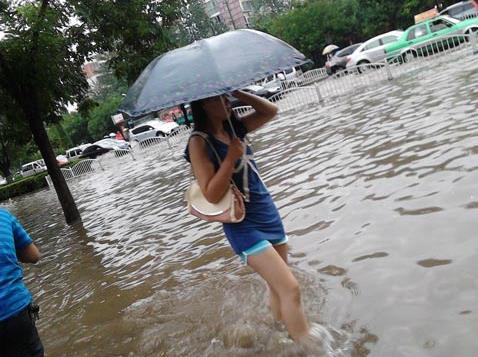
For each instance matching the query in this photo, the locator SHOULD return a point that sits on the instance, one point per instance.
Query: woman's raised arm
(263, 110)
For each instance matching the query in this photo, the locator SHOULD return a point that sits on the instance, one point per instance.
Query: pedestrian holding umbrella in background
(201, 74)
(329, 51)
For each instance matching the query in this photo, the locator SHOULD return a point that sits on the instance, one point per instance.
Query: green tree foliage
(133, 32)
(14, 135)
(59, 138)
(99, 118)
(311, 26)
(264, 11)
(194, 24)
(40, 72)
(76, 126)
(93, 119)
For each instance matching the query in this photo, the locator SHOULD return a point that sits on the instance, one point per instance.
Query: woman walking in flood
(217, 156)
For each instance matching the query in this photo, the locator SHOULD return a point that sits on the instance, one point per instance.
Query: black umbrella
(207, 68)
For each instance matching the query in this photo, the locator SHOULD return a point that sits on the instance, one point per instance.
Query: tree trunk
(72, 215)
(5, 162)
(5, 169)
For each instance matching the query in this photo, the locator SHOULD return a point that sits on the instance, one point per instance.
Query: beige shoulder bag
(230, 209)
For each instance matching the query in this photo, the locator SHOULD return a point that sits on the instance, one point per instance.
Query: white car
(33, 168)
(373, 50)
(73, 152)
(151, 129)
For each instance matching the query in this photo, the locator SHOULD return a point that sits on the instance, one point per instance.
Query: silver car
(373, 50)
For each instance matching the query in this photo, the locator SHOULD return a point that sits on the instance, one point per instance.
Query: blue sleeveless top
(262, 221)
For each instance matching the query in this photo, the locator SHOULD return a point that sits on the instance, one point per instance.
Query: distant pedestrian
(185, 114)
(18, 333)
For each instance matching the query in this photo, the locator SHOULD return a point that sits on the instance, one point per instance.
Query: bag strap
(205, 136)
(206, 139)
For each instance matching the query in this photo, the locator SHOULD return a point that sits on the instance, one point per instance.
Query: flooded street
(379, 197)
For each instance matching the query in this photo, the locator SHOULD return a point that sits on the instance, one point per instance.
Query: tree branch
(36, 29)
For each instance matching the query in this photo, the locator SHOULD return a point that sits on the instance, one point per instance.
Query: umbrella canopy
(207, 68)
(330, 48)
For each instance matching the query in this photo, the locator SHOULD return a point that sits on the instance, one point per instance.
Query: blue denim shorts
(260, 247)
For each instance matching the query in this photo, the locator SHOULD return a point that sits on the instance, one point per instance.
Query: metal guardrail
(243, 110)
(468, 17)
(154, 144)
(293, 98)
(122, 153)
(85, 167)
(310, 77)
(82, 168)
(163, 145)
(178, 137)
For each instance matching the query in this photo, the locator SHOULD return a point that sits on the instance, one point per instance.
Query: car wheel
(471, 32)
(361, 66)
(160, 134)
(409, 56)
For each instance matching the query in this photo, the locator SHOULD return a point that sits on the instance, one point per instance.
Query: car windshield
(348, 50)
(450, 19)
(440, 24)
(417, 32)
(458, 10)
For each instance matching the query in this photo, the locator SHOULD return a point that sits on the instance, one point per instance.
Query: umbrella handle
(228, 117)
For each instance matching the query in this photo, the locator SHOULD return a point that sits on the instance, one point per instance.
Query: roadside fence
(468, 16)
(84, 167)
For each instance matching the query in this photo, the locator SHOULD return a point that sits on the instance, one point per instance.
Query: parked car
(272, 83)
(73, 153)
(373, 50)
(93, 151)
(339, 60)
(33, 168)
(253, 89)
(417, 38)
(151, 129)
(462, 10)
(111, 144)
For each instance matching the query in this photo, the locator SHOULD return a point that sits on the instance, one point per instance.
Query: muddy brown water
(379, 197)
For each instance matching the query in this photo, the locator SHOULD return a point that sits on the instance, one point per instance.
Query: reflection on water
(371, 191)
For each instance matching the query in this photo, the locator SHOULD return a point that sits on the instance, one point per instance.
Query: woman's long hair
(200, 117)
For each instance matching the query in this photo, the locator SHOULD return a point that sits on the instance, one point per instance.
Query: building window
(246, 5)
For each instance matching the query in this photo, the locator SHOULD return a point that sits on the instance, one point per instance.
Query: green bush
(25, 185)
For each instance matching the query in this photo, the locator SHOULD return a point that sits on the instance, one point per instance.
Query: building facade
(235, 14)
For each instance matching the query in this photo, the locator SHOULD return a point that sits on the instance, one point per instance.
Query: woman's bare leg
(282, 250)
(277, 274)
